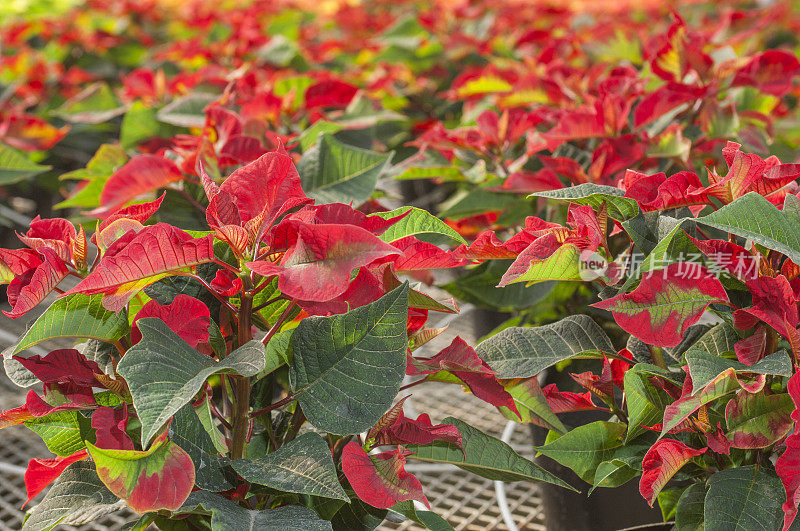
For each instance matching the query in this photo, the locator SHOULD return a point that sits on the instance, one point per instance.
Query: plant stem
(279, 322)
(241, 384)
(275, 405)
(658, 357)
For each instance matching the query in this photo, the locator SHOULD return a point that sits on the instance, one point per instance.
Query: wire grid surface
(465, 500)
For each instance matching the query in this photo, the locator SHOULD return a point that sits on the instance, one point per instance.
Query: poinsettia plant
(695, 335)
(244, 375)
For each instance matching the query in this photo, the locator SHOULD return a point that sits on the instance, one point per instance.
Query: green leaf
(278, 352)
(139, 123)
(75, 315)
(334, 172)
(704, 367)
(358, 516)
(613, 473)
(520, 352)
(310, 136)
(531, 404)
(746, 498)
(753, 217)
(186, 111)
(16, 167)
(429, 519)
(645, 402)
(212, 471)
(595, 195)
(303, 466)
(148, 480)
(477, 286)
(484, 456)
(477, 201)
(585, 447)
(76, 498)
(164, 373)
(758, 420)
(445, 173)
(60, 431)
(228, 516)
(690, 508)
(337, 360)
(417, 222)
(95, 104)
(717, 341)
(104, 163)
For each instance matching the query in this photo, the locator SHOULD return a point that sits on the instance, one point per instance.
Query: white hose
(12, 469)
(500, 487)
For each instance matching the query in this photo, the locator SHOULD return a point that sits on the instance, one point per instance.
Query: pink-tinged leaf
(463, 362)
(64, 366)
(161, 477)
(774, 303)
(15, 262)
(141, 212)
(26, 291)
(567, 401)
(675, 413)
(141, 174)
(550, 257)
(186, 316)
(757, 420)
(751, 349)
(394, 428)
(418, 255)
(110, 424)
(666, 303)
(772, 71)
(42, 472)
(36, 407)
(660, 463)
(30, 133)
(319, 259)
(329, 93)
(380, 479)
(153, 253)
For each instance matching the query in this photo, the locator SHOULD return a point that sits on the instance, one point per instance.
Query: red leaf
(394, 428)
(319, 258)
(56, 234)
(329, 93)
(730, 257)
(747, 172)
(141, 212)
(567, 401)
(461, 360)
(788, 464)
(227, 283)
(772, 71)
(664, 99)
(774, 303)
(64, 366)
(186, 316)
(529, 182)
(666, 303)
(155, 252)
(380, 479)
(42, 472)
(486, 246)
(364, 289)
(346, 215)
(419, 255)
(15, 262)
(602, 386)
(751, 349)
(660, 463)
(139, 175)
(110, 424)
(26, 291)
